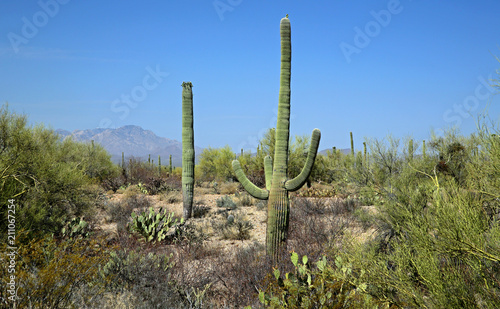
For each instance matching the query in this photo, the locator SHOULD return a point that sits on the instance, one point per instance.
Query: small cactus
(76, 227)
(226, 202)
(153, 226)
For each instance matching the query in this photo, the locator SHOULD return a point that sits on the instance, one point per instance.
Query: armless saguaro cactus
(170, 165)
(352, 145)
(159, 166)
(410, 150)
(187, 149)
(277, 183)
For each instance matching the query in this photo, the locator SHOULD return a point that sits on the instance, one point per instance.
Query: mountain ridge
(132, 141)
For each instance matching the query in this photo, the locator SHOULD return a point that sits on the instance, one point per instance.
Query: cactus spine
(277, 184)
(187, 149)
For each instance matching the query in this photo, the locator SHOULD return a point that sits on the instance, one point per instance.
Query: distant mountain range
(132, 141)
(139, 143)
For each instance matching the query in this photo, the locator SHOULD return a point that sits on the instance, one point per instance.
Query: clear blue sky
(370, 67)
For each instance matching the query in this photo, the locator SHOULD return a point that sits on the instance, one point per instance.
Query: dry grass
(229, 188)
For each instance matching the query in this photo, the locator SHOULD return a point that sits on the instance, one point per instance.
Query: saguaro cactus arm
(252, 189)
(298, 182)
(268, 171)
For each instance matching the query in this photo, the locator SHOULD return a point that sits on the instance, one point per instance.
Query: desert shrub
(49, 271)
(215, 164)
(240, 275)
(385, 160)
(114, 183)
(228, 188)
(226, 202)
(244, 199)
(148, 276)
(314, 224)
(237, 228)
(132, 191)
(364, 216)
(138, 171)
(200, 211)
(317, 190)
(51, 181)
(121, 211)
(232, 226)
(261, 204)
(438, 247)
(171, 197)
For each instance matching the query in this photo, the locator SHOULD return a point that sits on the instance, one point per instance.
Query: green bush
(215, 164)
(50, 272)
(438, 246)
(51, 181)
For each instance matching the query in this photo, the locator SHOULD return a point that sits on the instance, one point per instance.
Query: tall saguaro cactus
(352, 145)
(170, 165)
(187, 149)
(159, 166)
(410, 150)
(277, 183)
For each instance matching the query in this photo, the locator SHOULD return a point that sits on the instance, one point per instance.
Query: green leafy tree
(49, 180)
(215, 164)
